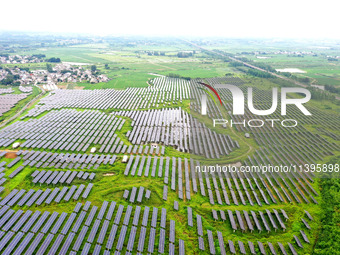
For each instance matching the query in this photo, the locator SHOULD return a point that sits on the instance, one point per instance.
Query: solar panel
(68, 223)
(91, 216)
(140, 194)
(59, 223)
(45, 244)
(22, 221)
(111, 237)
(56, 244)
(242, 248)
(87, 191)
(13, 244)
(131, 239)
(133, 195)
(97, 249)
(9, 197)
(171, 249)
(61, 194)
(23, 244)
(111, 210)
(147, 194)
(264, 221)
(146, 216)
(77, 207)
(272, 249)
(119, 214)
(163, 218)
(67, 244)
(29, 224)
(292, 249)
(261, 247)
(52, 196)
(141, 239)
(136, 216)
(93, 232)
(87, 205)
(39, 223)
(80, 238)
(127, 215)
(12, 220)
(151, 240)
(181, 247)
(121, 238)
(165, 192)
(16, 197)
(103, 232)
(211, 242)
(201, 243)
(154, 217)
(221, 242)
(172, 231)
(34, 244)
(43, 197)
(6, 239)
(49, 223)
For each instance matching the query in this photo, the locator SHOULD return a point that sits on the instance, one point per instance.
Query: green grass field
(130, 66)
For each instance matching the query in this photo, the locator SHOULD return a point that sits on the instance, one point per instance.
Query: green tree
(49, 68)
(93, 68)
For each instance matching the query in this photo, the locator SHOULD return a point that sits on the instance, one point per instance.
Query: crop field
(116, 167)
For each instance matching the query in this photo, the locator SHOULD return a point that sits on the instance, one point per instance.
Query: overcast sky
(230, 18)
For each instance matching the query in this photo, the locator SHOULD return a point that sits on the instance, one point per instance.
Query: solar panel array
(55, 232)
(8, 101)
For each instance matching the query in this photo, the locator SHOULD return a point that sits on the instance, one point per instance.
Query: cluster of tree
(93, 68)
(24, 69)
(295, 55)
(332, 59)
(107, 66)
(258, 73)
(4, 55)
(49, 68)
(318, 94)
(294, 77)
(328, 240)
(263, 66)
(53, 60)
(68, 71)
(173, 75)
(11, 80)
(39, 56)
(156, 53)
(184, 54)
(332, 89)
(235, 64)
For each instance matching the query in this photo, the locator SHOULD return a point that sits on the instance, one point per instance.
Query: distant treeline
(173, 75)
(294, 77)
(332, 89)
(39, 55)
(258, 73)
(53, 60)
(253, 72)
